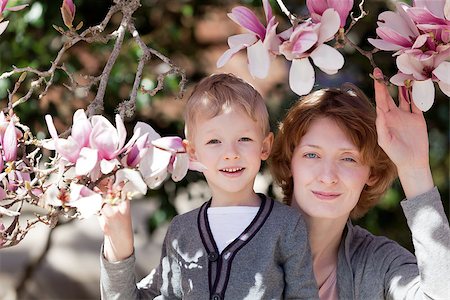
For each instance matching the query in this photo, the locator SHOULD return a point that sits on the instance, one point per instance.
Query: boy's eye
(213, 141)
(310, 155)
(245, 139)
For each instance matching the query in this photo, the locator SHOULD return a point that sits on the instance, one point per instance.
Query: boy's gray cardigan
(271, 259)
(375, 267)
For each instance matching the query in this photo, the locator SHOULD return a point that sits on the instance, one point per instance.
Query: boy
(238, 245)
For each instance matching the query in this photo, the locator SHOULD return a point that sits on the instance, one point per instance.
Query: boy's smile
(231, 146)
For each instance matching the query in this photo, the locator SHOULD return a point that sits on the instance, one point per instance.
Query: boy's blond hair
(218, 93)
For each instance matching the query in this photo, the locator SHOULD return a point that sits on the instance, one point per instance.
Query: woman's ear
(267, 146)
(190, 149)
(372, 180)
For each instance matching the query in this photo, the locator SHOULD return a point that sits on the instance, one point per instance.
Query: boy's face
(231, 146)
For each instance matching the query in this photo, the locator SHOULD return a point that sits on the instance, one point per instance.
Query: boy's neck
(235, 199)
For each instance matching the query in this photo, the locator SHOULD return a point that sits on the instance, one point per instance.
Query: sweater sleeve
(118, 280)
(298, 271)
(428, 278)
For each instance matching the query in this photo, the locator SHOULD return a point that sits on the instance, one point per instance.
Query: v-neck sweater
(271, 259)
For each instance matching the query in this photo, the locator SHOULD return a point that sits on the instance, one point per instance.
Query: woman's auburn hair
(355, 115)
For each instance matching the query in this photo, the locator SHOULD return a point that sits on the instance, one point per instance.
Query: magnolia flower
(70, 148)
(86, 201)
(168, 156)
(9, 143)
(68, 12)
(418, 75)
(135, 153)
(432, 16)
(397, 31)
(3, 7)
(307, 40)
(130, 183)
(318, 7)
(261, 42)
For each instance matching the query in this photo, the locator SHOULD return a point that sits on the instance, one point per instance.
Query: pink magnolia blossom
(418, 75)
(130, 183)
(307, 41)
(68, 12)
(9, 142)
(135, 153)
(397, 31)
(261, 42)
(432, 16)
(318, 7)
(70, 148)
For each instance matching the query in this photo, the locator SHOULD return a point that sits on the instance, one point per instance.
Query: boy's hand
(115, 222)
(402, 133)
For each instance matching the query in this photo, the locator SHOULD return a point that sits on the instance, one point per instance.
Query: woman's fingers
(383, 99)
(404, 103)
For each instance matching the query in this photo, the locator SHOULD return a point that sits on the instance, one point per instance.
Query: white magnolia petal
(226, 56)
(423, 94)
(3, 26)
(327, 59)
(145, 128)
(242, 40)
(51, 196)
(121, 132)
(156, 179)
(180, 166)
(330, 23)
(442, 72)
(400, 78)
(106, 166)
(445, 88)
(408, 64)
(258, 60)
(87, 206)
(86, 161)
(153, 167)
(301, 76)
(133, 180)
(384, 45)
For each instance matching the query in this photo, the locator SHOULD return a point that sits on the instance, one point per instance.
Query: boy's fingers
(382, 130)
(383, 99)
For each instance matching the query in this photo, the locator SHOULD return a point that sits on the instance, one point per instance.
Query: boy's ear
(267, 146)
(190, 149)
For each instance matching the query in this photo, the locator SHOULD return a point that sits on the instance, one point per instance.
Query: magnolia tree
(95, 162)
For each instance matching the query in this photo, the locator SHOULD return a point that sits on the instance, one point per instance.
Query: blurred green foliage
(169, 27)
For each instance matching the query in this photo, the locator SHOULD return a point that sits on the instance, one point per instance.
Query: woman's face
(327, 171)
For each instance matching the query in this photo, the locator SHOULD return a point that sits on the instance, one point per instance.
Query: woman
(328, 158)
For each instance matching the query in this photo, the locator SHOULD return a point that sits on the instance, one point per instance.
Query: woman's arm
(402, 133)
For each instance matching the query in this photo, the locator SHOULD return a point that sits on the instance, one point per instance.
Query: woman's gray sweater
(374, 267)
(271, 259)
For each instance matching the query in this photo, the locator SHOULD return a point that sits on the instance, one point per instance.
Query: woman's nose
(328, 174)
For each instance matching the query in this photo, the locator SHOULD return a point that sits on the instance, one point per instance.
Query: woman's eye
(245, 139)
(213, 141)
(349, 159)
(310, 155)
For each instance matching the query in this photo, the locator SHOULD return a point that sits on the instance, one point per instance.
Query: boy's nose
(231, 153)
